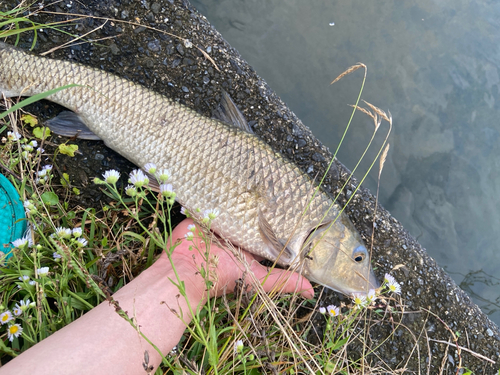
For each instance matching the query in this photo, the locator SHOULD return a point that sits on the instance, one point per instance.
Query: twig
(464, 349)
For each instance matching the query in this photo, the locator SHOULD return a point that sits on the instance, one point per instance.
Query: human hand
(229, 269)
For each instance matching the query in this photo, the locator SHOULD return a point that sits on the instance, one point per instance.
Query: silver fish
(266, 204)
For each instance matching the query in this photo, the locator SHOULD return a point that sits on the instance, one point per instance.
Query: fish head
(335, 256)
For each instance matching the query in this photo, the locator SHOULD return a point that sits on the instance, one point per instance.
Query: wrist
(182, 268)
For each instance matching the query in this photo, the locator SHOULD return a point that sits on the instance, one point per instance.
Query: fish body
(266, 204)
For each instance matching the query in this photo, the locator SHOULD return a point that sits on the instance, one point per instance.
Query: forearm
(102, 342)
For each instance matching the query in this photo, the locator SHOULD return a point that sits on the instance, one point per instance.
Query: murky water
(434, 65)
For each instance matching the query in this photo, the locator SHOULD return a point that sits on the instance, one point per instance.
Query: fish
(265, 203)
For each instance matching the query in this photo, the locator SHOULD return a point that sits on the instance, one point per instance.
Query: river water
(434, 65)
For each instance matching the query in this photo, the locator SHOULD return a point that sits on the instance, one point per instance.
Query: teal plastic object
(12, 216)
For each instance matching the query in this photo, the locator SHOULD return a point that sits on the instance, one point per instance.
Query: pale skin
(102, 342)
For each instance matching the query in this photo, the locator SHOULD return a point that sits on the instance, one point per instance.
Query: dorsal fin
(230, 114)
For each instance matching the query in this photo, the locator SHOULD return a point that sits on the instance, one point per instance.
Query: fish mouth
(363, 286)
(373, 285)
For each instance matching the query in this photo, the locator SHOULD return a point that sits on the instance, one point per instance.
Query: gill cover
(334, 255)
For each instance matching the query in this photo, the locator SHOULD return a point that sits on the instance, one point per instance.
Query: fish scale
(261, 196)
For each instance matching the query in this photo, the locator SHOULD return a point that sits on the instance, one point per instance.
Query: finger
(283, 281)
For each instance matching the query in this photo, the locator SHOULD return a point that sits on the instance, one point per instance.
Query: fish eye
(359, 254)
(359, 258)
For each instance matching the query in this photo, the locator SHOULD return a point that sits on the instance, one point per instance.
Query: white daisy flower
(23, 305)
(77, 232)
(6, 317)
(17, 311)
(394, 287)
(24, 278)
(333, 310)
(131, 191)
(150, 168)
(162, 175)
(44, 271)
(191, 227)
(392, 284)
(111, 176)
(238, 346)
(322, 310)
(389, 278)
(372, 296)
(167, 191)
(138, 178)
(13, 136)
(14, 331)
(210, 214)
(82, 242)
(20, 242)
(56, 256)
(359, 299)
(62, 232)
(189, 236)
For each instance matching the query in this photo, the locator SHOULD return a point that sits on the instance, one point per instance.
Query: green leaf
(76, 191)
(68, 149)
(338, 344)
(41, 133)
(329, 367)
(33, 98)
(30, 120)
(65, 180)
(50, 198)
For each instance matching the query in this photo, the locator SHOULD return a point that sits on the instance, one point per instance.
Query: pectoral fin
(277, 247)
(69, 124)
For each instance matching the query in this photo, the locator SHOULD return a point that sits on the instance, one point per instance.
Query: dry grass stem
(364, 110)
(465, 350)
(73, 40)
(349, 71)
(383, 158)
(378, 111)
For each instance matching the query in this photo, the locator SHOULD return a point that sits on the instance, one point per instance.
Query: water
(434, 65)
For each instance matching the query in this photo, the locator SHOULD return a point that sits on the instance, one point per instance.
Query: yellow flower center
(5, 318)
(13, 329)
